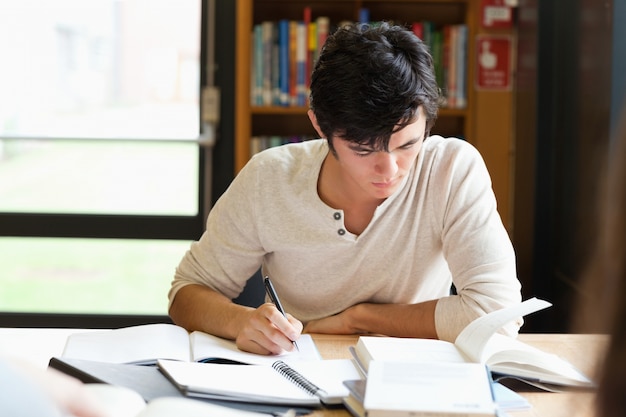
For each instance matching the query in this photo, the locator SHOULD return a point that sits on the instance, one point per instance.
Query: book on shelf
(448, 48)
(323, 29)
(287, 382)
(302, 35)
(260, 143)
(145, 344)
(449, 64)
(455, 65)
(461, 73)
(293, 61)
(283, 55)
(311, 47)
(418, 30)
(283, 61)
(267, 49)
(285, 51)
(398, 389)
(364, 15)
(257, 72)
(479, 342)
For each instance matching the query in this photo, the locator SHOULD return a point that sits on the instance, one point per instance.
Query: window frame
(121, 226)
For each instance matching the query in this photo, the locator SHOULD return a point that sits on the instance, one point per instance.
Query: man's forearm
(399, 320)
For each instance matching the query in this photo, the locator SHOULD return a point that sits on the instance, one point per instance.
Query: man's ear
(316, 126)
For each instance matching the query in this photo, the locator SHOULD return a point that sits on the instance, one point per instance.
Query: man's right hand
(266, 331)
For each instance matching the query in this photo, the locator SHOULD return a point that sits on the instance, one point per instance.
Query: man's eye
(363, 152)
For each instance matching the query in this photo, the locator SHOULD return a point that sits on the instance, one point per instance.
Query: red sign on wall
(493, 62)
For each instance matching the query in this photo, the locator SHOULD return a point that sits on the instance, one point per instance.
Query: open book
(479, 342)
(287, 382)
(145, 344)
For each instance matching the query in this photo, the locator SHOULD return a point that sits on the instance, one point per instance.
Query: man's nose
(386, 164)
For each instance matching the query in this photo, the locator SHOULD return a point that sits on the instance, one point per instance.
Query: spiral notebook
(297, 383)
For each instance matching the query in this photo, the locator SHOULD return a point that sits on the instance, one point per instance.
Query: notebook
(304, 383)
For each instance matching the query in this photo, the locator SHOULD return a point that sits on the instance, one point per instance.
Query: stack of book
(412, 377)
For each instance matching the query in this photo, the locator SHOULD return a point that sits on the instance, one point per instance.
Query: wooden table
(582, 350)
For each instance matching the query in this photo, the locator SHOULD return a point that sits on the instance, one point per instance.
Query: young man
(363, 231)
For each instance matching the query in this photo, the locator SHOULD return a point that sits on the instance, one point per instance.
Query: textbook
(124, 402)
(505, 398)
(506, 357)
(287, 382)
(404, 389)
(145, 344)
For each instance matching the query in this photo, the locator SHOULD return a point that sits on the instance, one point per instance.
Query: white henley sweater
(441, 227)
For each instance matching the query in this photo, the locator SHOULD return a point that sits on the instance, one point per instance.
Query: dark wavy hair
(369, 82)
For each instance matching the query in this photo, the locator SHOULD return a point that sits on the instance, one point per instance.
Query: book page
(142, 344)
(429, 388)
(472, 340)
(370, 348)
(206, 347)
(510, 356)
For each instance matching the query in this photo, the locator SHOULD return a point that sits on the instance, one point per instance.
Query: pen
(269, 288)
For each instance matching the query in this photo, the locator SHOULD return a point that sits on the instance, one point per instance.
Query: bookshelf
(491, 135)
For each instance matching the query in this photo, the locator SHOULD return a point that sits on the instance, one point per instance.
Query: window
(101, 173)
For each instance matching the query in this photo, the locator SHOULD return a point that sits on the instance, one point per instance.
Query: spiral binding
(296, 378)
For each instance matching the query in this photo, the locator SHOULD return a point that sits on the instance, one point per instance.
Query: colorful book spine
(283, 46)
(364, 15)
(437, 54)
(461, 67)
(308, 67)
(293, 61)
(257, 67)
(418, 29)
(301, 54)
(275, 66)
(323, 27)
(311, 56)
(267, 40)
(452, 67)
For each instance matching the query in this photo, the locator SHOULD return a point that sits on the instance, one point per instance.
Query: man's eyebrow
(366, 147)
(411, 142)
